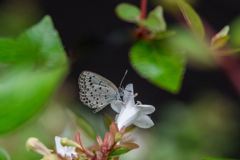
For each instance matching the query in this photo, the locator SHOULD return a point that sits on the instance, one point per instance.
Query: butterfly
(96, 91)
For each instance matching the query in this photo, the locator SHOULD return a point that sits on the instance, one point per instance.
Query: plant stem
(143, 9)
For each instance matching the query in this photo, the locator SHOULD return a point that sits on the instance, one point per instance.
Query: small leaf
(113, 128)
(164, 34)
(221, 38)
(220, 42)
(4, 155)
(128, 12)
(161, 66)
(130, 145)
(155, 21)
(32, 67)
(192, 18)
(118, 151)
(130, 128)
(235, 32)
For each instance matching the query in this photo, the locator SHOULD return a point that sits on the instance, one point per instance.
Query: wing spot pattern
(96, 91)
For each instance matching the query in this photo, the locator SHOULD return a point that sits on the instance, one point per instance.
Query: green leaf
(235, 32)
(128, 12)
(160, 65)
(198, 52)
(192, 18)
(32, 67)
(4, 155)
(221, 38)
(40, 45)
(164, 35)
(155, 21)
(118, 151)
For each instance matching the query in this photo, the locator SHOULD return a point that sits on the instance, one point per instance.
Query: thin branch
(143, 9)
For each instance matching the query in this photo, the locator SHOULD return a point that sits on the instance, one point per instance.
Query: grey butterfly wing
(96, 91)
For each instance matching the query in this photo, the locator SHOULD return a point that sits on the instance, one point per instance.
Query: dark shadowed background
(96, 40)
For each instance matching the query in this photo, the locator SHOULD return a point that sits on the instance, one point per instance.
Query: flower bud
(35, 145)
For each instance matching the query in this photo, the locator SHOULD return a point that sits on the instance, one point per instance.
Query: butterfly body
(96, 91)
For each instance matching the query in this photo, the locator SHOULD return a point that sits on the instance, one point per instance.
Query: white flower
(131, 112)
(64, 151)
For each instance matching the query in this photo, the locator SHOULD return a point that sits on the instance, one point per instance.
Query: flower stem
(143, 9)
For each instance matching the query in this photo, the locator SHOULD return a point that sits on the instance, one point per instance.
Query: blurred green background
(39, 92)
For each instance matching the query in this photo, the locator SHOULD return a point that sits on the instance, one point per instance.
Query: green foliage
(4, 155)
(128, 12)
(118, 151)
(91, 124)
(32, 66)
(197, 51)
(192, 18)
(188, 132)
(155, 21)
(86, 127)
(211, 158)
(235, 32)
(158, 64)
(164, 35)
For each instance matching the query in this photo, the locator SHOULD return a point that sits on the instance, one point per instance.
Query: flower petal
(59, 148)
(117, 105)
(116, 117)
(64, 151)
(128, 92)
(127, 116)
(146, 109)
(144, 121)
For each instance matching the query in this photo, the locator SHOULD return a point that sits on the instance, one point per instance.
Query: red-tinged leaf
(99, 140)
(108, 140)
(113, 128)
(78, 140)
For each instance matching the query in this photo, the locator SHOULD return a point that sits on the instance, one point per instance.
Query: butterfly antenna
(123, 78)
